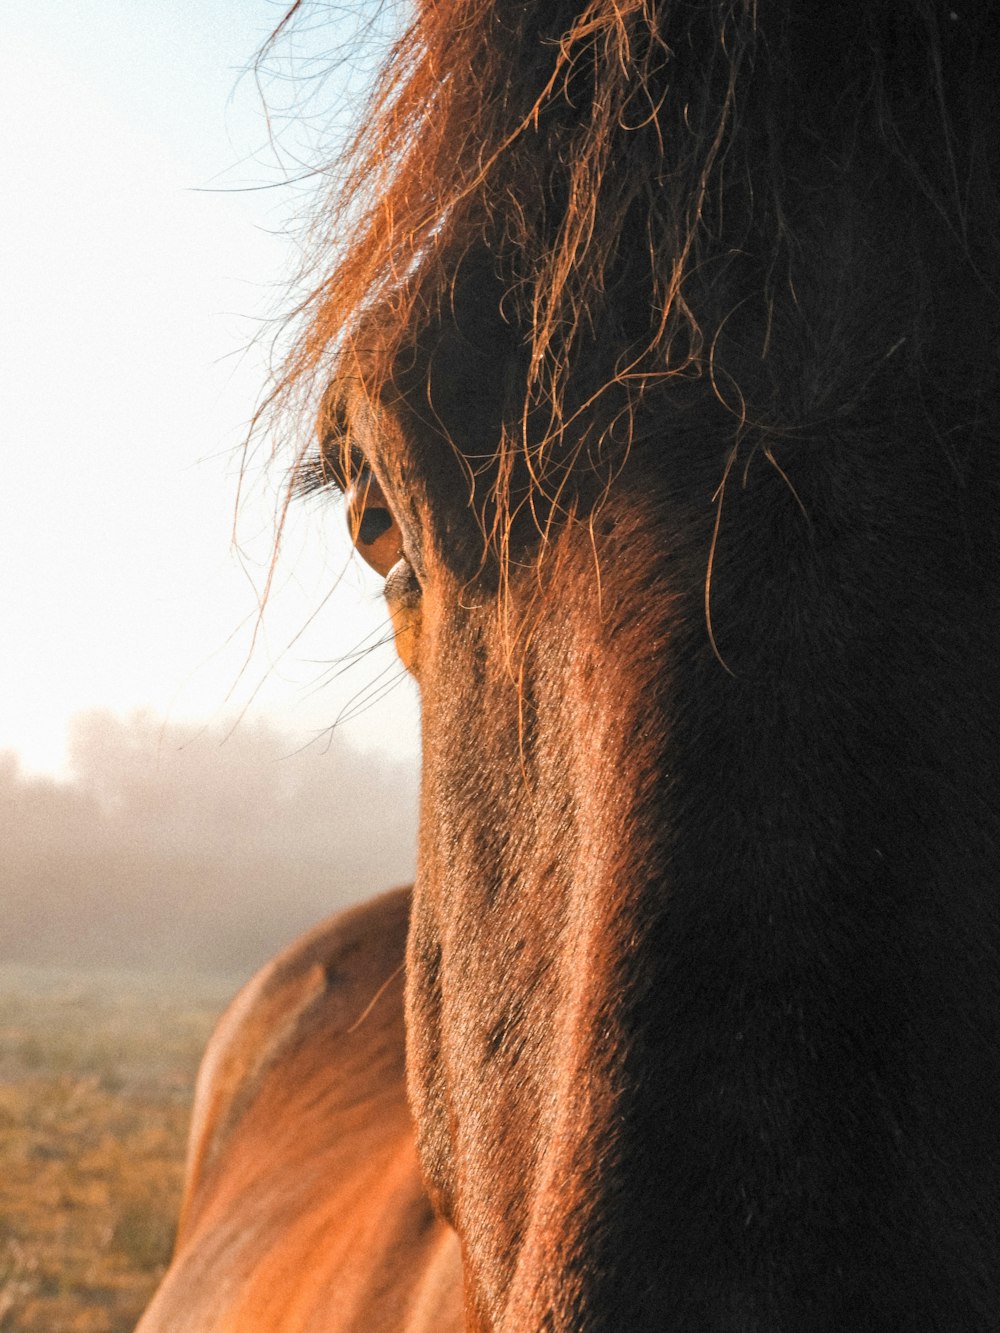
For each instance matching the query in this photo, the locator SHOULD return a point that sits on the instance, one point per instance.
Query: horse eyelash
(322, 468)
(313, 474)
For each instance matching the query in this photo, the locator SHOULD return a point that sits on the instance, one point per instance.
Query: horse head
(659, 365)
(683, 416)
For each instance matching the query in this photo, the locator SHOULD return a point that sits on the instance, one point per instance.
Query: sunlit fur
(302, 1189)
(670, 332)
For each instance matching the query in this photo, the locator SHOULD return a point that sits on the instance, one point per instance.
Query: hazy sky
(136, 267)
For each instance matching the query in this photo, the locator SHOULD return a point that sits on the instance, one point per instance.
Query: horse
(656, 351)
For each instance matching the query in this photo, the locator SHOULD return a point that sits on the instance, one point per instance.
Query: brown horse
(659, 346)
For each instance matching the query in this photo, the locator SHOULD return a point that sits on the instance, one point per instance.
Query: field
(96, 1078)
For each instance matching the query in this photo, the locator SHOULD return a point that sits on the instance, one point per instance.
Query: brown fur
(303, 1191)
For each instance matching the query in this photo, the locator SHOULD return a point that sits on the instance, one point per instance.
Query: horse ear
(374, 530)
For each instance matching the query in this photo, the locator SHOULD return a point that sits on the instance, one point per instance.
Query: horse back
(304, 1207)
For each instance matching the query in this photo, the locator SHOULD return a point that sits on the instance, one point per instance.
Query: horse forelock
(622, 177)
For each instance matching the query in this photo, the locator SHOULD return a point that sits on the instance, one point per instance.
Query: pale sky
(135, 269)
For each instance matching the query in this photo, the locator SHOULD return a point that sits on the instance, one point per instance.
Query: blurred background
(160, 740)
(185, 784)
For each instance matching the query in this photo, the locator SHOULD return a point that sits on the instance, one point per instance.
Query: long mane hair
(620, 162)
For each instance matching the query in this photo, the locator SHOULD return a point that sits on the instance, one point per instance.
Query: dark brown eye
(373, 529)
(374, 524)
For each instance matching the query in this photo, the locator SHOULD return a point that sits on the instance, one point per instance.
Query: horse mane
(543, 135)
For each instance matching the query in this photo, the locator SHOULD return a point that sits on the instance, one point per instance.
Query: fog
(175, 850)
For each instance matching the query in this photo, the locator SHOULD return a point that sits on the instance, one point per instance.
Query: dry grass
(96, 1076)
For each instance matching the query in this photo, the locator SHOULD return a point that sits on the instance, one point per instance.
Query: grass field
(96, 1077)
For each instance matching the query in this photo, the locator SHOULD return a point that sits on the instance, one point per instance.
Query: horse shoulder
(303, 1206)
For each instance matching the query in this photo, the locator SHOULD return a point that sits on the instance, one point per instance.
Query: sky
(147, 240)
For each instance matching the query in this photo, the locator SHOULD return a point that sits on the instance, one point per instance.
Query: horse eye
(371, 524)
(374, 524)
